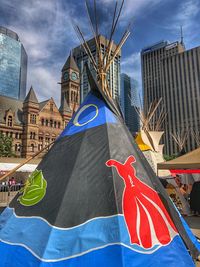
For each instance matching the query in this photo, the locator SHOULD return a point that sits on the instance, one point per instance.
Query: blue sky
(45, 29)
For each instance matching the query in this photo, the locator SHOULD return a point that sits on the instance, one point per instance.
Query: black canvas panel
(79, 184)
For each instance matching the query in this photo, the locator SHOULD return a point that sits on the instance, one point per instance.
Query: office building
(13, 65)
(129, 102)
(81, 58)
(172, 73)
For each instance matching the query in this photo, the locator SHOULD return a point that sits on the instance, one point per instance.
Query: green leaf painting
(34, 190)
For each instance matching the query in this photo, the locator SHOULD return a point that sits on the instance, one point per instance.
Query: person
(184, 191)
(178, 180)
(195, 198)
(13, 181)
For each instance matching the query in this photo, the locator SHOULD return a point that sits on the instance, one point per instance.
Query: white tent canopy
(4, 167)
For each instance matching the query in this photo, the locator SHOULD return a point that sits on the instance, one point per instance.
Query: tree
(5, 146)
(170, 157)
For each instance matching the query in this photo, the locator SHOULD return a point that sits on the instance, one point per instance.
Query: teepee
(148, 139)
(180, 139)
(94, 200)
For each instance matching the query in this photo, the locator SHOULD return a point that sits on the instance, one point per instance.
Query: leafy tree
(170, 157)
(5, 146)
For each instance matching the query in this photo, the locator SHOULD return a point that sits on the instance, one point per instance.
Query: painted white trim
(61, 228)
(75, 121)
(79, 254)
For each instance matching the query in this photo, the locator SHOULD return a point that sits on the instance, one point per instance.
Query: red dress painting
(147, 220)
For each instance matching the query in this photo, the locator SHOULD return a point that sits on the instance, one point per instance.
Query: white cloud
(131, 65)
(133, 7)
(185, 17)
(46, 83)
(43, 29)
(188, 10)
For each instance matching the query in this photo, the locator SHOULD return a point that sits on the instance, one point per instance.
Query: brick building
(32, 124)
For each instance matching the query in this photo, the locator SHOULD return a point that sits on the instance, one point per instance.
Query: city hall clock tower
(70, 89)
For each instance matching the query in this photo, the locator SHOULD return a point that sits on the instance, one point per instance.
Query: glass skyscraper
(129, 100)
(13, 65)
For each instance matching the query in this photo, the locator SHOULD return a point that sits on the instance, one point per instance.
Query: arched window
(47, 122)
(10, 121)
(59, 125)
(32, 147)
(51, 123)
(55, 124)
(33, 118)
(19, 148)
(42, 122)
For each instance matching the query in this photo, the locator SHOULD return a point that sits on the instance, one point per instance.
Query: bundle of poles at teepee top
(106, 57)
(101, 65)
(151, 119)
(148, 118)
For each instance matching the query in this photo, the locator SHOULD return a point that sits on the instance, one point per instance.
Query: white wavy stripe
(155, 240)
(171, 230)
(79, 254)
(138, 222)
(61, 228)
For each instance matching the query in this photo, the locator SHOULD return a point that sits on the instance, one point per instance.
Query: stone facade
(34, 125)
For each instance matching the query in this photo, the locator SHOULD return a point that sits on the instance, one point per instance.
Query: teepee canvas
(94, 201)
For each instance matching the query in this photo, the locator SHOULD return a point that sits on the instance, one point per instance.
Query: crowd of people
(191, 193)
(10, 185)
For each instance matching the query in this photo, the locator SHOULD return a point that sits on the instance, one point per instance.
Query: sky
(45, 27)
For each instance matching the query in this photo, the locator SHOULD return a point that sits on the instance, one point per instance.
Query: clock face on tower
(65, 76)
(74, 76)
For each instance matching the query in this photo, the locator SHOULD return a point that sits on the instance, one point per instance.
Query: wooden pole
(24, 162)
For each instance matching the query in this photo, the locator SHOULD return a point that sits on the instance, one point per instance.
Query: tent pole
(24, 162)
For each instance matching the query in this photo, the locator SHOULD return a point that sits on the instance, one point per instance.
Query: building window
(32, 135)
(42, 122)
(19, 148)
(10, 120)
(40, 147)
(51, 123)
(47, 122)
(16, 135)
(32, 147)
(59, 125)
(33, 118)
(55, 124)
(16, 147)
(40, 138)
